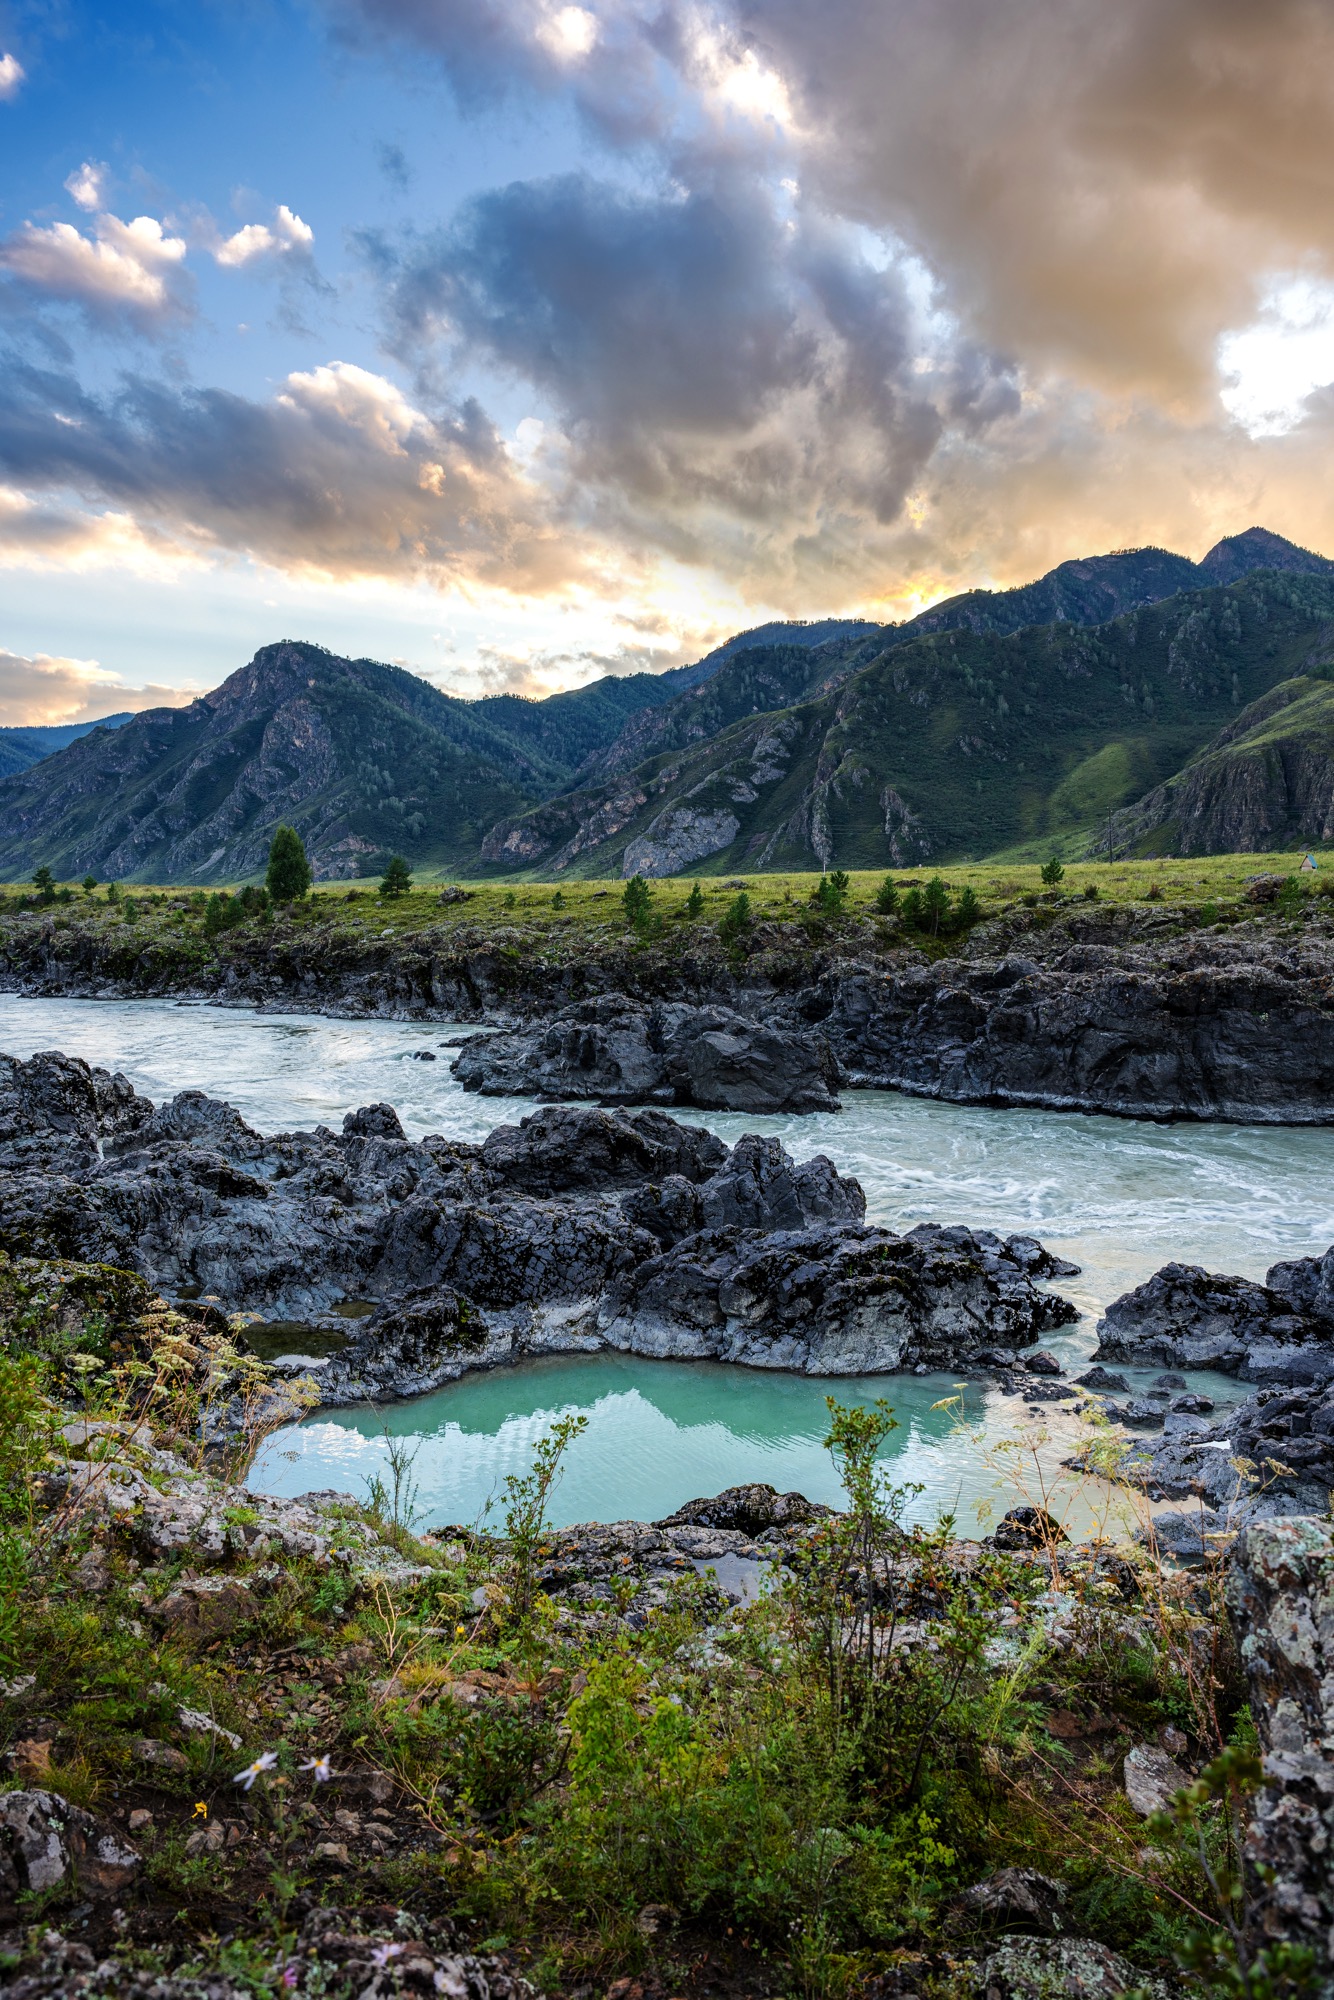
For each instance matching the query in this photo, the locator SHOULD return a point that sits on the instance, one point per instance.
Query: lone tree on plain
(397, 879)
(638, 901)
(288, 877)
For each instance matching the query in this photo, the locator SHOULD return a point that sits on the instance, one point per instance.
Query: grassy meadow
(1210, 889)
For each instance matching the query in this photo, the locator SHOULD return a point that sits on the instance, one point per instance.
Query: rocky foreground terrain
(578, 1229)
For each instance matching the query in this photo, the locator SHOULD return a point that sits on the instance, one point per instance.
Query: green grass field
(565, 909)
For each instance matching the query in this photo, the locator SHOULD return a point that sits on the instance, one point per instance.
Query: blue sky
(520, 341)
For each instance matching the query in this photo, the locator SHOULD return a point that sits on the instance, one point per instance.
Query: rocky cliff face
(1266, 781)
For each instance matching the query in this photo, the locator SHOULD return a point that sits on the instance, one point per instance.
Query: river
(1117, 1196)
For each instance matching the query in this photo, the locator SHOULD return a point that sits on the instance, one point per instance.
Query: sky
(519, 342)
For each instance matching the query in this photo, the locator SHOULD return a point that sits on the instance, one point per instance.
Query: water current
(1119, 1197)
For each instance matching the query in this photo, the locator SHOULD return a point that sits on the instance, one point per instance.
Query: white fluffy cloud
(286, 236)
(125, 270)
(48, 689)
(11, 76)
(87, 184)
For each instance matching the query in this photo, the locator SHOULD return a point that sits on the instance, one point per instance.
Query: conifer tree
(288, 878)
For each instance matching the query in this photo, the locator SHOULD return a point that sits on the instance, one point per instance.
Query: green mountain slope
(363, 759)
(21, 748)
(954, 744)
(1266, 782)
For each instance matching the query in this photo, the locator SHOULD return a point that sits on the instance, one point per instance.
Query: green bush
(1052, 872)
(222, 913)
(887, 898)
(736, 920)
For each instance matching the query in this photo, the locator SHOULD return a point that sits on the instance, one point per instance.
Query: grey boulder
(618, 1051)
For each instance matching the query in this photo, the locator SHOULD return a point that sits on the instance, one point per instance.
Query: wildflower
(291, 1974)
(264, 1762)
(460, 1631)
(321, 1767)
(382, 1954)
(200, 1811)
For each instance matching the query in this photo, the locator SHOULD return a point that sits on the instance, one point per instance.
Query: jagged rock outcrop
(616, 1051)
(836, 1299)
(579, 1229)
(1270, 1455)
(1185, 1317)
(1238, 1027)
(1281, 1600)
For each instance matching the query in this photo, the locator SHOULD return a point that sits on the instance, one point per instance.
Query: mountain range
(1136, 697)
(21, 747)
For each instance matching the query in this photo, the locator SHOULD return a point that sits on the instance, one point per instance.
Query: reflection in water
(1119, 1197)
(663, 1432)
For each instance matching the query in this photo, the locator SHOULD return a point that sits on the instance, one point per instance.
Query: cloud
(707, 354)
(12, 74)
(48, 689)
(338, 473)
(127, 273)
(393, 164)
(286, 236)
(87, 184)
(1100, 191)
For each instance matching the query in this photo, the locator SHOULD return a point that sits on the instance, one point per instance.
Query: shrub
(89, 884)
(1052, 872)
(831, 892)
(969, 909)
(695, 902)
(887, 898)
(557, 901)
(736, 919)
(222, 913)
(288, 877)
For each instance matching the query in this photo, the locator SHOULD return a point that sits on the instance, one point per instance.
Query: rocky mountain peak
(1259, 548)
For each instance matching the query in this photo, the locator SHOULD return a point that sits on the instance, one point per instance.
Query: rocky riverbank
(1065, 1005)
(577, 1230)
(1271, 1454)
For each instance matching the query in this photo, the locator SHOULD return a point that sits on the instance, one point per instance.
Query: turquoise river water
(1117, 1196)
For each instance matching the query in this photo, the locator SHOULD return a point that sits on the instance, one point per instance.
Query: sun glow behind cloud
(1270, 368)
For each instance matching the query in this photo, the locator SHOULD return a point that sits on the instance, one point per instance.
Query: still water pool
(1118, 1197)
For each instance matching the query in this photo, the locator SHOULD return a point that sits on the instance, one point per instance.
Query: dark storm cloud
(705, 346)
